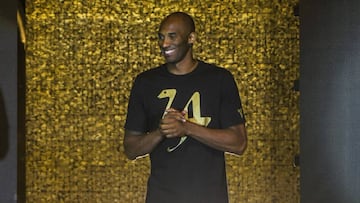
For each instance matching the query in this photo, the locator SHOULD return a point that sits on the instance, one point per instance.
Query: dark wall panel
(8, 102)
(330, 101)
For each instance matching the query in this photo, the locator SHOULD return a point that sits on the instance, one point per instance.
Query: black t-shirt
(185, 170)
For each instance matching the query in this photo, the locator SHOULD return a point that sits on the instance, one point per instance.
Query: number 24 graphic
(197, 118)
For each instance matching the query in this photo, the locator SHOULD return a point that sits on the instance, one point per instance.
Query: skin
(175, 41)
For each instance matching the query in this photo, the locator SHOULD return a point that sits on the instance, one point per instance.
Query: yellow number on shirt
(196, 109)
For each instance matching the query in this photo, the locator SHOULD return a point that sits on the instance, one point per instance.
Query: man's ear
(192, 38)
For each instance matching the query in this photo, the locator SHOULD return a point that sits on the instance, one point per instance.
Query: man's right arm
(138, 144)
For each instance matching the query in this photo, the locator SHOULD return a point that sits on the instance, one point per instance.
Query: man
(185, 114)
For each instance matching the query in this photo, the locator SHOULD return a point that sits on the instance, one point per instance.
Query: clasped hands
(173, 123)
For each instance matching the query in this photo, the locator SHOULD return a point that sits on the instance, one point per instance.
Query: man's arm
(138, 144)
(232, 139)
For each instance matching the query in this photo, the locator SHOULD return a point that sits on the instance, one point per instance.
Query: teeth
(169, 51)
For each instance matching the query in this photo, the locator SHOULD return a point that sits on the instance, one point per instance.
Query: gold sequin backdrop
(81, 59)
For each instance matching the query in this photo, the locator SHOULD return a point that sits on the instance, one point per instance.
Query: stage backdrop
(81, 60)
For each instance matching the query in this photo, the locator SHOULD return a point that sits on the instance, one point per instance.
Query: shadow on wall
(4, 129)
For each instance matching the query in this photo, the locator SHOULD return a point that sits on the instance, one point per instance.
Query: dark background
(12, 105)
(330, 101)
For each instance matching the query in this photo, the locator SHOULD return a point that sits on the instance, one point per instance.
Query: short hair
(186, 18)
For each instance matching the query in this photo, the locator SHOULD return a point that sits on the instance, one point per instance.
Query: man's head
(176, 37)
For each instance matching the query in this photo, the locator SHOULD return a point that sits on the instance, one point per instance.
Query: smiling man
(185, 114)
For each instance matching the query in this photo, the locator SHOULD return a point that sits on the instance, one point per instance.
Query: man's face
(174, 40)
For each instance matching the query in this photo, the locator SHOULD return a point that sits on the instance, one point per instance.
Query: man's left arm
(232, 139)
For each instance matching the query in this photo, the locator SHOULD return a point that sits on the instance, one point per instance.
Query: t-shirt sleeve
(136, 118)
(231, 111)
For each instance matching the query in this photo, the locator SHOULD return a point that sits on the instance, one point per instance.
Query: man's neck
(183, 67)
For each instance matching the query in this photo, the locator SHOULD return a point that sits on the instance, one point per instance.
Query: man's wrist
(159, 133)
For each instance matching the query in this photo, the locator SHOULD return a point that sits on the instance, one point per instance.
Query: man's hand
(172, 124)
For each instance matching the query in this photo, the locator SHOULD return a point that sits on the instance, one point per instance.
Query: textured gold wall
(81, 59)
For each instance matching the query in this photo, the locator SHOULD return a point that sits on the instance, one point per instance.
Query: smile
(168, 52)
